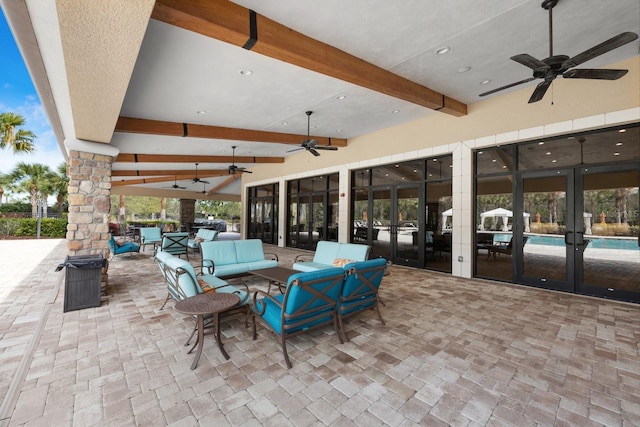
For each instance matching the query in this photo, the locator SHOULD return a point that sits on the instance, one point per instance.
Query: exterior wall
(578, 105)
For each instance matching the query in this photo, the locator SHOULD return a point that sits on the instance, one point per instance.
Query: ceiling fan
(311, 145)
(175, 185)
(196, 179)
(233, 169)
(204, 188)
(561, 65)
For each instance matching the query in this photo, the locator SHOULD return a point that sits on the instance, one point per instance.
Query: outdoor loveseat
(233, 258)
(332, 254)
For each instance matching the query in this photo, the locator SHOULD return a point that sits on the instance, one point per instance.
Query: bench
(329, 253)
(234, 258)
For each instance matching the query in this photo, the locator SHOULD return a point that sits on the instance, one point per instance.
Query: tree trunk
(60, 202)
(163, 208)
(45, 197)
(121, 212)
(34, 202)
(1, 194)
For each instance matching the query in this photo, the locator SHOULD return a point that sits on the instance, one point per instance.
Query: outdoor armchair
(308, 302)
(360, 290)
(175, 244)
(124, 247)
(150, 236)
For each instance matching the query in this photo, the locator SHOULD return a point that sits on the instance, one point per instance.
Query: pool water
(596, 242)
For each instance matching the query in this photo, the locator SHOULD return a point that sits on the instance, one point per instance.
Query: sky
(18, 95)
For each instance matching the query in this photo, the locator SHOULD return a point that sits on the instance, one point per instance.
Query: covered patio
(453, 351)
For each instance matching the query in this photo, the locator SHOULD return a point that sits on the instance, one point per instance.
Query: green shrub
(49, 227)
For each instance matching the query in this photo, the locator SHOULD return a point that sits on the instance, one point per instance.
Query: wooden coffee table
(278, 276)
(209, 303)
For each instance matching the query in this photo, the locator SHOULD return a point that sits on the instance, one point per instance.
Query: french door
(579, 231)
(394, 226)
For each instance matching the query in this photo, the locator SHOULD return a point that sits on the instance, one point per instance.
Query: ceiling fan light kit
(233, 169)
(561, 65)
(311, 145)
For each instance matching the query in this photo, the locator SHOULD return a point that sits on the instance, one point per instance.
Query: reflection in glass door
(548, 232)
(582, 234)
(609, 206)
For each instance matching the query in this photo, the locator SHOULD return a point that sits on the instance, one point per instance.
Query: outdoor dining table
(200, 305)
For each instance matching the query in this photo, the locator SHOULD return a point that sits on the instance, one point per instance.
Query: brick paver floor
(453, 352)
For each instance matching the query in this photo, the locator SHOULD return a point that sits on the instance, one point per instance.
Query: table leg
(196, 358)
(218, 337)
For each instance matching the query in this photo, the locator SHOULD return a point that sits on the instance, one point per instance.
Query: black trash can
(82, 281)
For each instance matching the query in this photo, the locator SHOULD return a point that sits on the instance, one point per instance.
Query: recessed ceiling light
(201, 112)
(285, 123)
(338, 130)
(463, 69)
(395, 111)
(616, 154)
(341, 97)
(548, 153)
(246, 72)
(504, 167)
(443, 50)
(553, 161)
(541, 143)
(450, 166)
(622, 130)
(484, 82)
(435, 160)
(480, 152)
(494, 160)
(618, 143)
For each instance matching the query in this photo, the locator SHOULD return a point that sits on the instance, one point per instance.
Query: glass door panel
(610, 262)
(381, 225)
(408, 247)
(548, 240)
(316, 224)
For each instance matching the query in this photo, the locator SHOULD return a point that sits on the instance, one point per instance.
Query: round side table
(209, 303)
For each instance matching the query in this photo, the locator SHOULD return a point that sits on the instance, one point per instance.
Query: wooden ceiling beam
(157, 127)
(220, 186)
(195, 158)
(231, 23)
(179, 174)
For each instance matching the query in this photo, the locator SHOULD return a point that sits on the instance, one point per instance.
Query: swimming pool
(596, 242)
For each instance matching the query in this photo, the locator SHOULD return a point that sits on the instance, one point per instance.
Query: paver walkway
(453, 352)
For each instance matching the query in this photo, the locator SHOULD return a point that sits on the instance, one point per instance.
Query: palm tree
(19, 140)
(60, 185)
(31, 178)
(5, 181)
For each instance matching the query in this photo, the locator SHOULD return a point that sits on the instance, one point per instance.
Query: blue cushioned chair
(308, 302)
(360, 290)
(125, 247)
(175, 244)
(150, 236)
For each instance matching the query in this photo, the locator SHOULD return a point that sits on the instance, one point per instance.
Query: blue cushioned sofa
(327, 252)
(233, 258)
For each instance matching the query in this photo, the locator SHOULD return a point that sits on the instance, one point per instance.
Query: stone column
(187, 213)
(89, 165)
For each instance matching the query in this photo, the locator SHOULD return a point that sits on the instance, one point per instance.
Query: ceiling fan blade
(313, 151)
(326, 147)
(508, 86)
(296, 149)
(599, 74)
(529, 61)
(204, 182)
(541, 89)
(245, 171)
(604, 47)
